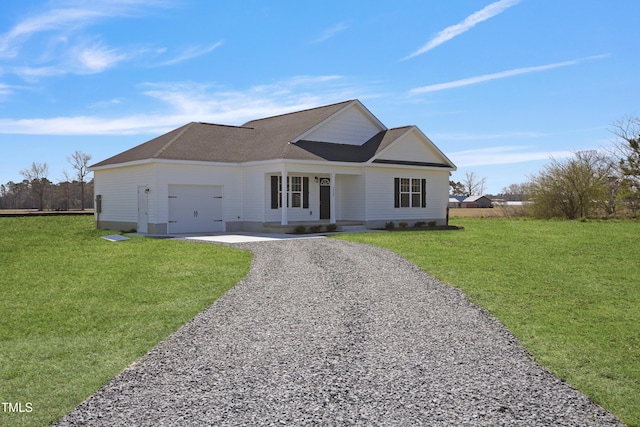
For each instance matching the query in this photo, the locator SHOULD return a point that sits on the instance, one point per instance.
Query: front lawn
(569, 290)
(77, 309)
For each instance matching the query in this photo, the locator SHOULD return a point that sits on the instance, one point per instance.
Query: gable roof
(351, 106)
(262, 139)
(412, 158)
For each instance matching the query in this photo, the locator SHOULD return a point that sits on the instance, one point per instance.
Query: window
(410, 193)
(297, 192)
(280, 191)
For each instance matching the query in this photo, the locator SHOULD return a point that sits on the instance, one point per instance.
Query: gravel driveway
(332, 333)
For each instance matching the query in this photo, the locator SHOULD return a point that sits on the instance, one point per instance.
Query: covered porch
(316, 197)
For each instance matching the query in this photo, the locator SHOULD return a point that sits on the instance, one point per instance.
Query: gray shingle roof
(263, 139)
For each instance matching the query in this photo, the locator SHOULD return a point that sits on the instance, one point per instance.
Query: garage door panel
(195, 208)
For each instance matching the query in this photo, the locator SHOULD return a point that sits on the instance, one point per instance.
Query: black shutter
(424, 193)
(274, 192)
(397, 192)
(305, 192)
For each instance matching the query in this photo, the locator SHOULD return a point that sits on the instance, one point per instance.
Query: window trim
(302, 192)
(410, 192)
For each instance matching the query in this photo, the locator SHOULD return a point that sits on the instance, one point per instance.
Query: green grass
(77, 309)
(570, 292)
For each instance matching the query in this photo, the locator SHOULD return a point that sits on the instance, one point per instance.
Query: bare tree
(80, 162)
(473, 185)
(514, 192)
(628, 151)
(36, 175)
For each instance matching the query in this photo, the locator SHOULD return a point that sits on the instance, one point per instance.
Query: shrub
(419, 224)
(301, 229)
(431, 223)
(331, 228)
(315, 229)
(389, 225)
(403, 224)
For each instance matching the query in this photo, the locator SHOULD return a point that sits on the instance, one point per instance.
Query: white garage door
(195, 208)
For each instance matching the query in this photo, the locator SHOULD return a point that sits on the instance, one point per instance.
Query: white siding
(351, 126)
(119, 190)
(380, 194)
(412, 147)
(362, 193)
(255, 193)
(176, 174)
(293, 214)
(350, 198)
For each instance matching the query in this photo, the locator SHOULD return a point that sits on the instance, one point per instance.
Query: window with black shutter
(410, 193)
(297, 192)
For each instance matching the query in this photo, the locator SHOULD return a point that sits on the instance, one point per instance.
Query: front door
(325, 198)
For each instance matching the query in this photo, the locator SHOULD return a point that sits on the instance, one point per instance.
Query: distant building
(470, 202)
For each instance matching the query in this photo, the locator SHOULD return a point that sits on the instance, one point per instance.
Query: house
(456, 201)
(336, 164)
(470, 202)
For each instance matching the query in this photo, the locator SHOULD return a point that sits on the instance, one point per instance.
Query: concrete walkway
(249, 237)
(324, 332)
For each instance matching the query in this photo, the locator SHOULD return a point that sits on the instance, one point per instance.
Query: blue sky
(499, 86)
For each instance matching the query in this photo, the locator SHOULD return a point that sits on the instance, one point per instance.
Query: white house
(335, 164)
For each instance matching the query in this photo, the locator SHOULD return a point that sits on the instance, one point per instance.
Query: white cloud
(500, 75)
(5, 91)
(83, 58)
(203, 102)
(304, 80)
(191, 53)
(34, 73)
(486, 136)
(56, 19)
(471, 21)
(105, 104)
(503, 155)
(330, 32)
(187, 101)
(87, 125)
(70, 17)
(96, 58)
(58, 46)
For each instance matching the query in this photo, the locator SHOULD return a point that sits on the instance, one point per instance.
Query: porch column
(285, 198)
(332, 198)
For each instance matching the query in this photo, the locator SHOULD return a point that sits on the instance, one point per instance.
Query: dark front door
(325, 202)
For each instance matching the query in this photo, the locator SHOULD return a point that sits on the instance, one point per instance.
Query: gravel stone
(334, 333)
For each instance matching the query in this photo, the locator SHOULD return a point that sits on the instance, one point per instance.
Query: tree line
(36, 191)
(592, 183)
(595, 183)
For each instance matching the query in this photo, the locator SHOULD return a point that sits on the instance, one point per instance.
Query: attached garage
(195, 208)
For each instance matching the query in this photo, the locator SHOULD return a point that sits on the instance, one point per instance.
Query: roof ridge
(223, 125)
(402, 127)
(172, 140)
(301, 111)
